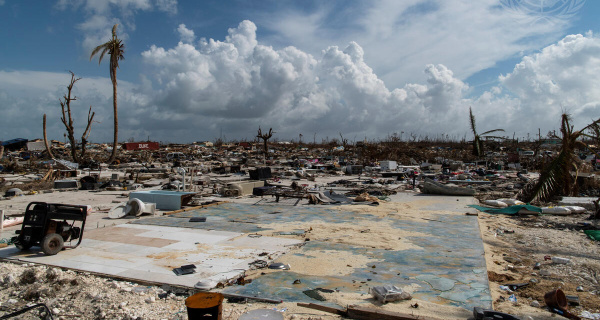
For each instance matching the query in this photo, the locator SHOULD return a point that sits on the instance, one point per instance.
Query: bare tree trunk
(113, 156)
(46, 140)
(265, 137)
(67, 119)
(86, 133)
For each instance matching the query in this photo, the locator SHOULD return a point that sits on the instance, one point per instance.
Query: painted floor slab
(448, 267)
(150, 252)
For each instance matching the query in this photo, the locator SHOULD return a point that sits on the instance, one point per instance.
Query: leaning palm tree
(115, 49)
(477, 142)
(557, 179)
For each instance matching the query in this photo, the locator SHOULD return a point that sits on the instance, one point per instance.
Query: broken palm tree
(115, 49)
(557, 178)
(477, 142)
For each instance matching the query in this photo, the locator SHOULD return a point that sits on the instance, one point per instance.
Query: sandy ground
(513, 245)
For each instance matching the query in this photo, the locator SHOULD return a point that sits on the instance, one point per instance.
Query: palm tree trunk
(45, 140)
(116, 126)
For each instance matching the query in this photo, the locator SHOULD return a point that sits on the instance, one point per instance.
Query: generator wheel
(52, 244)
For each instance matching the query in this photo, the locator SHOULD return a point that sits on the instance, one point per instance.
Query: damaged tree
(477, 142)
(48, 149)
(115, 49)
(265, 137)
(67, 120)
(556, 178)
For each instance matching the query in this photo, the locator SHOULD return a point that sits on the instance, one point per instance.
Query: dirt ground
(514, 244)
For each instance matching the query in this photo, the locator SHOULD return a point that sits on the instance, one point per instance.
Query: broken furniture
(66, 184)
(50, 225)
(241, 188)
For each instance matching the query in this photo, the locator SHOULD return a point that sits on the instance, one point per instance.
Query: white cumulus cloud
(195, 91)
(185, 34)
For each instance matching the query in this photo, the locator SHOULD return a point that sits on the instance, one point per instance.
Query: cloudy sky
(199, 70)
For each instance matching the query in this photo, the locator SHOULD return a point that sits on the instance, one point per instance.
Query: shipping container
(141, 145)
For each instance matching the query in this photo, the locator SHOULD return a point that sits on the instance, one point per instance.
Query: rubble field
(355, 222)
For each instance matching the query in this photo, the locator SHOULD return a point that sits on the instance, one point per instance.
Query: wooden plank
(319, 307)
(360, 313)
(195, 208)
(240, 296)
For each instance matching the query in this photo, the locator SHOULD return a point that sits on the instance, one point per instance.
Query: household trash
(557, 302)
(186, 269)
(517, 286)
(13, 192)
(279, 266)
(559, 260)
(483, 314)
(505, 288)
(262, 314)
(593, 234)
(389, 293)
(511, 202)
(556, 210)
(9, 222)
(133, 207)
(572, 300)
(589, 315)
(205, 284)
(495, 203)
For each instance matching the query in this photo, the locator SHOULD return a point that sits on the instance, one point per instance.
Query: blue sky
(194, 69)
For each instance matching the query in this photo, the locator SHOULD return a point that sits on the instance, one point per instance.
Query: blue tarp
(507, 210)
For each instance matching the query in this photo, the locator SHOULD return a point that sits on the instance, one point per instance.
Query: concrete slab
(149, 253)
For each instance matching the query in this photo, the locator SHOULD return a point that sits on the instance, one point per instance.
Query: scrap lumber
(364, 313)
(319, 307)
(360, 313)
(48, 175)
(258, 299)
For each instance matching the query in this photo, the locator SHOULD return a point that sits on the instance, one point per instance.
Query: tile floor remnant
(424, 243)
(150, 253)
(445, 260)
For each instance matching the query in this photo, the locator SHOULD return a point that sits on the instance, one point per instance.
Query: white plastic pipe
(182, 171)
